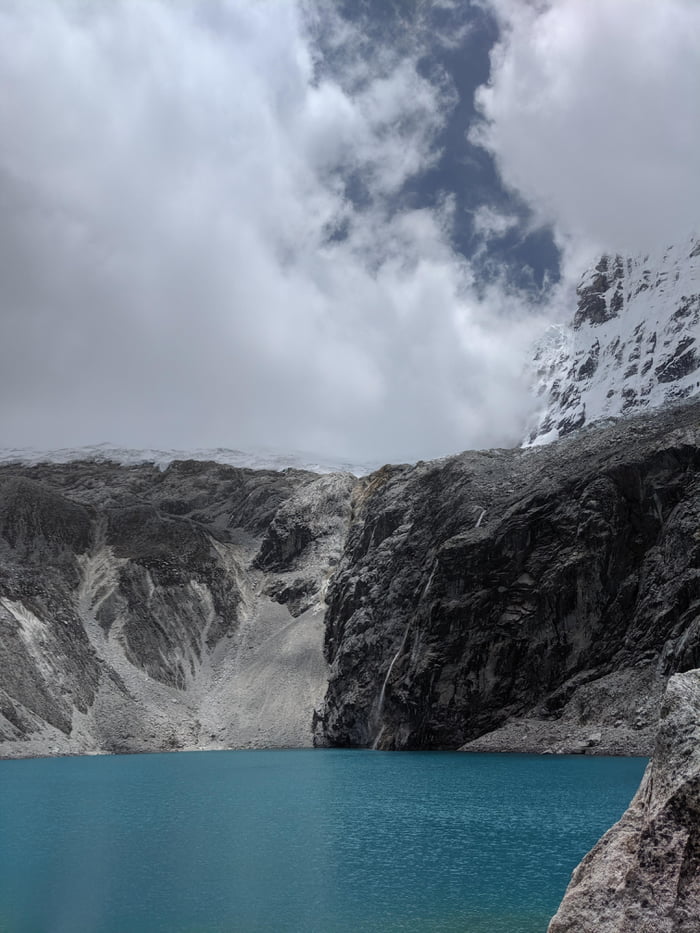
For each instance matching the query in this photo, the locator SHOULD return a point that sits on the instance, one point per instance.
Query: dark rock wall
(491, 584)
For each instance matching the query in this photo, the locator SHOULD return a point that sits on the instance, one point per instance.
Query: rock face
(532, 599)
(632, 345)
(135, 613)
(546, 592)
(644, 874)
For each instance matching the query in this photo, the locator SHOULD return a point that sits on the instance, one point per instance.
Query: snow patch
(131, 456)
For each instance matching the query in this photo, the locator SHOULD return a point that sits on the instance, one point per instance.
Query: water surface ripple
(326, 841)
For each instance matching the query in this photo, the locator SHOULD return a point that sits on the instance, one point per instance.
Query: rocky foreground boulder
(644, 874)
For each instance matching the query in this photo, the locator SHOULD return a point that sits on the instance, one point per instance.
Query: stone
(644, 874)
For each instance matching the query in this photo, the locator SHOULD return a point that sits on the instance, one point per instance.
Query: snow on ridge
(129, 456)
(633, 345)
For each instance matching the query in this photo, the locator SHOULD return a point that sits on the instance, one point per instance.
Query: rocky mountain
(512, 599)
(632, 345)
(537, 599)
(147, 609)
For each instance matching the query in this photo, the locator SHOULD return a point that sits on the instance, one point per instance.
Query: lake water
(326, 841)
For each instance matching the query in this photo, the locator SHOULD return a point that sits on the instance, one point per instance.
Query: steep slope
(632, 346)
(549, 590)
(135, 613)
(644, 874)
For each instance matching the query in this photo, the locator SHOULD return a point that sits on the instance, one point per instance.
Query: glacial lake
(325, 841)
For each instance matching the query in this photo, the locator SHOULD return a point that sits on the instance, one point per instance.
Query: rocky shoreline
(644, 874)
(534, 737)
(615, 715)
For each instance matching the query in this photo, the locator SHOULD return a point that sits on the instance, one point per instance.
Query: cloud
(490, 223)
(185, 260)
(592, 115)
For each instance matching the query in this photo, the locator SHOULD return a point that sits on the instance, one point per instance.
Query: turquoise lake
(299, 841)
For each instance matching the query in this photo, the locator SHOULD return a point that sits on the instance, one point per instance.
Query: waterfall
(380, 704)
(382, 692)
(430, 580)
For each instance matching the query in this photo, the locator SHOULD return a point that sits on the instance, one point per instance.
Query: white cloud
(170, 175)
(593, 116)
(492, 224)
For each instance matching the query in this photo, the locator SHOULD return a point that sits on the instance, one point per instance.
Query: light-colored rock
(148, 610)
(644, 874)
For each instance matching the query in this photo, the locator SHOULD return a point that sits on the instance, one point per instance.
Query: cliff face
(644, 874)
(549, 591)
(523, 599)
(135, 613)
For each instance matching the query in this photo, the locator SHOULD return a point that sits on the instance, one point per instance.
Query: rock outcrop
(644, 874)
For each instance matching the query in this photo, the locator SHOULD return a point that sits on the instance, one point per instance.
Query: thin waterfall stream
(382, 692)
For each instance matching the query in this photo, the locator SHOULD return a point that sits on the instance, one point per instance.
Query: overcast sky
(320, 226)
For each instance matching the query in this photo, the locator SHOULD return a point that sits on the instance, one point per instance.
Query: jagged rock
(308, 530)
(644, 874)
(630, 347)
(593, 308)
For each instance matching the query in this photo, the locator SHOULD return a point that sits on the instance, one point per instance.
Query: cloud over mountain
(593, 116)
(201, 244)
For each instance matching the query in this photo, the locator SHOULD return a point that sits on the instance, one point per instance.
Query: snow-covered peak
(632, 345)
(257, 460)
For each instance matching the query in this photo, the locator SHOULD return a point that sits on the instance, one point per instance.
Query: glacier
(256, 459)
